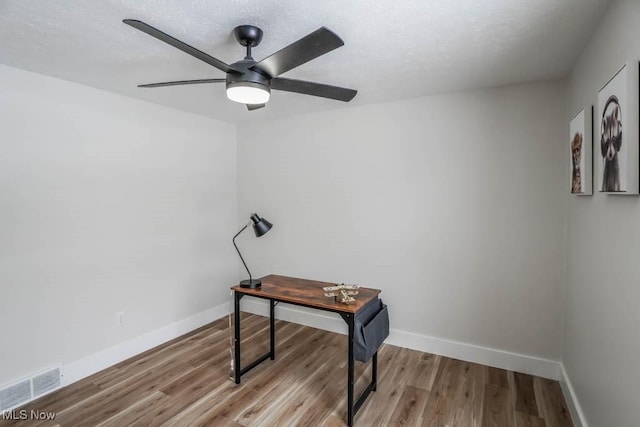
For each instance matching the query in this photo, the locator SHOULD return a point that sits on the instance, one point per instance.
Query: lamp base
(253, 284)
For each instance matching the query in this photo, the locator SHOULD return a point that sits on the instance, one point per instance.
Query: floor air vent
(14, 395)
(46, 382)
(31, 388)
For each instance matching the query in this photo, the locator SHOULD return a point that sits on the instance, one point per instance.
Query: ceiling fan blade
(252, 107)
(183, 82)
(297, 53)
(154, 32)
(315, 89)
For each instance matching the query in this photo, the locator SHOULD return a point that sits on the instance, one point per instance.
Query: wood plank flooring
(185, 382)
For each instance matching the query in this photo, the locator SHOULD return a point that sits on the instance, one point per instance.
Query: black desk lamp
(260, 226)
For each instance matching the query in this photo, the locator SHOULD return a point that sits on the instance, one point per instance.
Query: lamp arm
(236, 246)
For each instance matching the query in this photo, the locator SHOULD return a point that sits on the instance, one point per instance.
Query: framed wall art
(617, 137)
(581, 149)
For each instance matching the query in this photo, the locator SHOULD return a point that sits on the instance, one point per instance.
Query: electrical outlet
(120, 318)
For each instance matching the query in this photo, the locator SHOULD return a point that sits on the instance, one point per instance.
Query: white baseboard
(532, 365)
(577, 415)
(96, 362)
(487, 356)
(544, 368)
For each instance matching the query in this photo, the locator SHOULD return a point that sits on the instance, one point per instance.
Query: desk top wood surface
(306, 292)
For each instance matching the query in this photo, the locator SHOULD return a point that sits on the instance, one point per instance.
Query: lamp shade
(260, 225)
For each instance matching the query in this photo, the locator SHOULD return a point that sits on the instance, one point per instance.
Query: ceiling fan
(250, 82)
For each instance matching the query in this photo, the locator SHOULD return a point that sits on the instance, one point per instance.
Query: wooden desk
(306, 293)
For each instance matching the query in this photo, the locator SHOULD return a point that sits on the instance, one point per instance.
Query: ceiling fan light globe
(248, 93)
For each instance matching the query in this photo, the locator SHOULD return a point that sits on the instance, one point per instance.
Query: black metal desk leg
(236, 337)
(272, 328)
(374, 371)
(350, 373)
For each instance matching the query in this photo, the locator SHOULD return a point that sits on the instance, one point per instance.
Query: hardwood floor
(185, 382)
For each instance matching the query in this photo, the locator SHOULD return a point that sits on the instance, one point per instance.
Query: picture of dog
(611, 143)
(576, 156)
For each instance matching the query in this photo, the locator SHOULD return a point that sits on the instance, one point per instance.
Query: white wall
(107, 204)
(452, 205)
(602, 341)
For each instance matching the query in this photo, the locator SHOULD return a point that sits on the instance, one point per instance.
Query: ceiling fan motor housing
(249, 78)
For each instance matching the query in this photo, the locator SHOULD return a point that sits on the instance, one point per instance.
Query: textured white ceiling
(393, 49)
